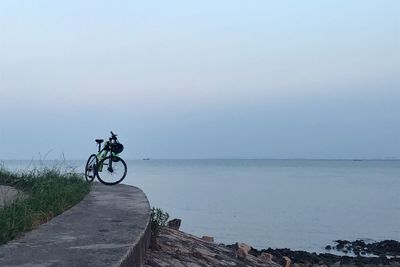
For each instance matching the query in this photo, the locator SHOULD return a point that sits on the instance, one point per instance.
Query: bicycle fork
(110, 168)
(109, 163)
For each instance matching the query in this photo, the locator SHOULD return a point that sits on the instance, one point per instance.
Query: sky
(201, 79)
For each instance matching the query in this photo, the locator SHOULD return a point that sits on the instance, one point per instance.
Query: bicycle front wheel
(112, 170)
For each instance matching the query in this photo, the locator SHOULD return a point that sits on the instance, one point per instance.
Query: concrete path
(7, 194)
(110, 227)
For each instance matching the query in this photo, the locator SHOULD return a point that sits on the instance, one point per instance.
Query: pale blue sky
(204, 79)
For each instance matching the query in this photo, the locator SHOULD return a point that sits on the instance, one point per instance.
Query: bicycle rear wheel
(113, 170)
(91, 168)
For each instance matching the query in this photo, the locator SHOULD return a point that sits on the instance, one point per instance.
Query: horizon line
(148, 158)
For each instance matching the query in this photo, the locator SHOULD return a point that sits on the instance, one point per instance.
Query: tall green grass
(46, 193)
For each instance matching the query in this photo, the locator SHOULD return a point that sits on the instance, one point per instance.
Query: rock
(174, 224)
(179, 249)
(341, 244)
(245, 247)
(240, 254)
(208, 238)
(185, 250)
(241, 250)
(288, 261)
(328, 247)
(386, 247)
(266, 257)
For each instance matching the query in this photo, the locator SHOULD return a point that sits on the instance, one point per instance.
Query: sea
(296, 204)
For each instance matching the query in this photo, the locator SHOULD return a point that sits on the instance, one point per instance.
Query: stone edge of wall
(137, 253)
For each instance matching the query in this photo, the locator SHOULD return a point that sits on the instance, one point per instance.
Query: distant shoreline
(266, 159)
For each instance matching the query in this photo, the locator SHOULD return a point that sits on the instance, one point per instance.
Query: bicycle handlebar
(113, 136)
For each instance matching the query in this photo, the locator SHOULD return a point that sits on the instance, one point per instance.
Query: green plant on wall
(158, 220)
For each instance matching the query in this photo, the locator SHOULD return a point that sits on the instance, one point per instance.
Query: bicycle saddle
(99, 141)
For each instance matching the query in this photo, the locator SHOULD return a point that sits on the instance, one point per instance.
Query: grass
(46, 193)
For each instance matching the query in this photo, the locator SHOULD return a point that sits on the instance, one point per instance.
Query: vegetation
(158, 220)
(46, 193)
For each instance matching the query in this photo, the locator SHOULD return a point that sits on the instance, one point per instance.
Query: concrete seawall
(110, 227)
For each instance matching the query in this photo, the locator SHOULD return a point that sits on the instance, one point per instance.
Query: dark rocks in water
(388, 253)
(341, 244)
(386, 247)
(281, 256)
(359, 247)
(303, 258)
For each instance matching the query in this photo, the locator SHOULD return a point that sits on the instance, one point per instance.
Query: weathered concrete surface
(110, 227)
(7, 194)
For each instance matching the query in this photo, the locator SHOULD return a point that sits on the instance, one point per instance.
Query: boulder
(174, 224)
(266, 257)
(208, 238)
(288, 261)
(241, 250)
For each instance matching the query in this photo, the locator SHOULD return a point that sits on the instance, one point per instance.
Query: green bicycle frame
(103, 154)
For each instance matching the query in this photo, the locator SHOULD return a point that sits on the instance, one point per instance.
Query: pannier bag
(117, 148)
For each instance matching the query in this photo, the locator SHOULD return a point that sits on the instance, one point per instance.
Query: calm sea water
(299, 204)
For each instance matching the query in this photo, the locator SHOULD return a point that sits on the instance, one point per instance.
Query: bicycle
(109, 168)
